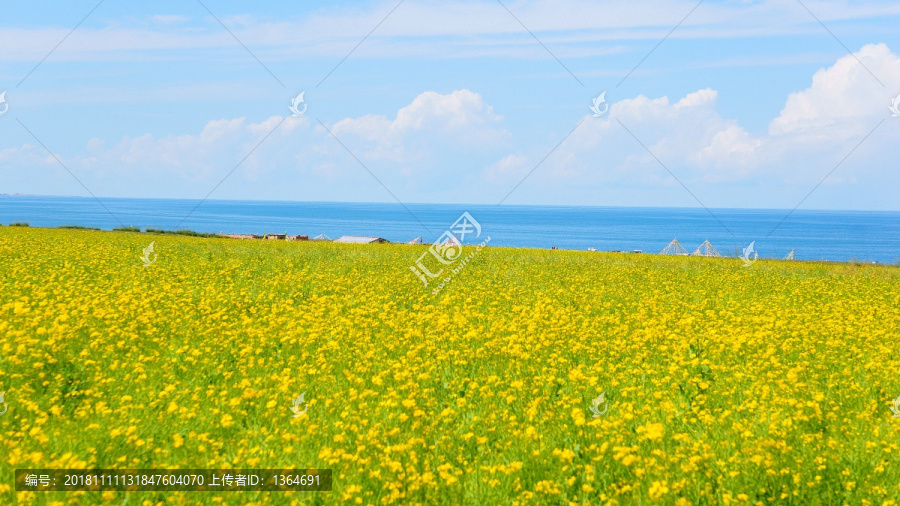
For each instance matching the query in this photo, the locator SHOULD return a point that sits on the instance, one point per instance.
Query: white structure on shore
(360, 239)
(705, 250)
(790, 256)
(674, 248)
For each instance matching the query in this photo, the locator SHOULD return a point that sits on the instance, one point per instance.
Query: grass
(157, 231)
(771, 383)
(77, 227)
(189, 233)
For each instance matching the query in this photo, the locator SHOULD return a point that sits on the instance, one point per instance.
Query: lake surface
(814, 235)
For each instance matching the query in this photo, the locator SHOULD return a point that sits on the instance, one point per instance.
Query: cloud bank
(454, 147)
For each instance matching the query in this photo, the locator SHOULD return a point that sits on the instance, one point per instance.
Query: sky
(737, 104)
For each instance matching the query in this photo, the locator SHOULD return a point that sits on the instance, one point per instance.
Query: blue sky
(745, 104)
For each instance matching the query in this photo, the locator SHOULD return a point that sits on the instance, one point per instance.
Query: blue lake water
(814, 235)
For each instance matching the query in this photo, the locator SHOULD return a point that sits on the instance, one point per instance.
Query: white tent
(674, 248)
(705, 250)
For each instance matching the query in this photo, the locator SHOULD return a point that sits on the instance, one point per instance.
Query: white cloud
(169, 19)
(461, 120)
(574, 28)
(817, 128)
(421, 150)
(844, 98)
(508, 168)
(24, 156)
(192, 163)
(732, 147)
(688, 133)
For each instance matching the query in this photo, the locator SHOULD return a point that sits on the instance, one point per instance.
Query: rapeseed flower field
(721, 384)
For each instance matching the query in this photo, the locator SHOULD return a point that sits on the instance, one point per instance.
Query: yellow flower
(652, 431)
(472, 392)
(658, 489)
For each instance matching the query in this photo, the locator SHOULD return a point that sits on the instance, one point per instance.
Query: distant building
(241, 236)
(273, 237)
(360, 239)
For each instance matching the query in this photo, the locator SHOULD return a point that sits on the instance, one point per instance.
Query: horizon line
(393, 203)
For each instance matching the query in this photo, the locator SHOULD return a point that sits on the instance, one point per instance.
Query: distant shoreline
(832, 235)
(306, 238)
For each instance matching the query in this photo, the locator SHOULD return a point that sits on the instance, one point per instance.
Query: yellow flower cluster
(722, 384)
